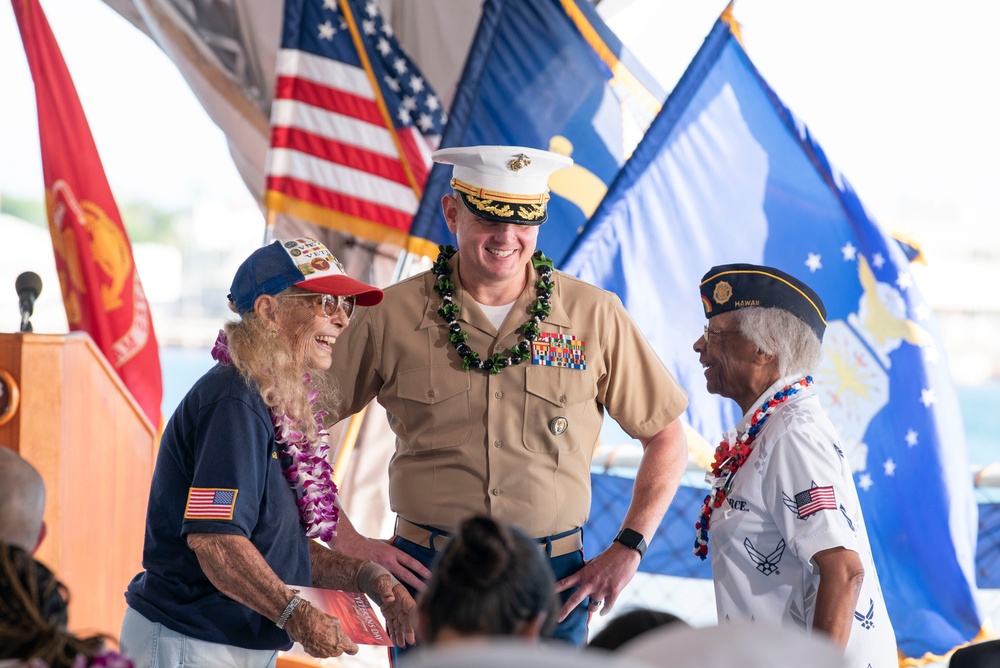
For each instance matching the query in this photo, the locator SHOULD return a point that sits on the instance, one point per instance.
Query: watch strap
(287, 613)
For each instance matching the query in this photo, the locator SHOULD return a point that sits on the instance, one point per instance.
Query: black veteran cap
(729, 287)
(506, 184)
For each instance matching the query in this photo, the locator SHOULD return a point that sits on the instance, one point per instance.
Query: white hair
(789, 339)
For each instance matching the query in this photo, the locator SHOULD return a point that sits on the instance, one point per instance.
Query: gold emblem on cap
(559, 425)
(490, 206)
(519, 162)
(535, 212)
(723, 291)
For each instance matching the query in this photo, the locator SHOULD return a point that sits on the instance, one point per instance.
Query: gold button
(498, 395)
(562, 398)
(430, 393)
(496, 444)
(496, 491)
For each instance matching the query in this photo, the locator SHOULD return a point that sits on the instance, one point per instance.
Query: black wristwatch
(632, 540)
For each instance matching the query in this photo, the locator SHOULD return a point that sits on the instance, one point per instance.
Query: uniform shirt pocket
(556, 402)
(435, 403)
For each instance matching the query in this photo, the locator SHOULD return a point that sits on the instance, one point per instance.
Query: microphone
(28, 286)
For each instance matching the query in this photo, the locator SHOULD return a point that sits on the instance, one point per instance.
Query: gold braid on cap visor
(530, 207)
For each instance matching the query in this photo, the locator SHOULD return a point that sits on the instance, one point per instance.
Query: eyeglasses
(328, 305)
(718, 332)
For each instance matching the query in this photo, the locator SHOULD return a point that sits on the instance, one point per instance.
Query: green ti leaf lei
(530, 330)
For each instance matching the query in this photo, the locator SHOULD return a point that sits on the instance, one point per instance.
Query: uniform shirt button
(496, 491)
(499, 394)
(562, 398)
(430, 393)
(496, 444)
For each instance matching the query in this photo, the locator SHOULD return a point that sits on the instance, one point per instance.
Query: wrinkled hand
(320, 634)
(397, 562)
(398, 607)
(602, 579)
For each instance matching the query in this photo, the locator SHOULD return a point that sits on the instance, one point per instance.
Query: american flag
(210, 504)
(814, 500)
(353, 124)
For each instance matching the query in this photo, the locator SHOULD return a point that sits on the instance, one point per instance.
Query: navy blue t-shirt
(217, 471)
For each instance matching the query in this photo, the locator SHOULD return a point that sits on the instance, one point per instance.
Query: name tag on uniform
(562, 350)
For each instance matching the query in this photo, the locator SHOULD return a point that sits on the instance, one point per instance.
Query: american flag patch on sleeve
(814, 500)
(210, 504)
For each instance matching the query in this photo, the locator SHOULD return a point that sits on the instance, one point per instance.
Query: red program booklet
(356, 615)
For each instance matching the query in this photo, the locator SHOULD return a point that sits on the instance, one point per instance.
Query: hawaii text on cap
(729, 287)
(304, 263)
(506, 184)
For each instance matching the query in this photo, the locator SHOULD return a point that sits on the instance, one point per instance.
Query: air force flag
(727, 174)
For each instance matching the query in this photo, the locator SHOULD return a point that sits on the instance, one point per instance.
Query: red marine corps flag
(100, 285)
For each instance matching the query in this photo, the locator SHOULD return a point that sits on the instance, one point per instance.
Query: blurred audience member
(738, 643)
(501, 652)
(633, 623)
(33, 619)
(490, 580)
(980, 655)
(22, 502)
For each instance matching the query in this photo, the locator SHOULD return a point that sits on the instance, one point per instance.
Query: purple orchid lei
(309, 471)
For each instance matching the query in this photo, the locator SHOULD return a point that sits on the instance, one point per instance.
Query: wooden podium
(65, 410)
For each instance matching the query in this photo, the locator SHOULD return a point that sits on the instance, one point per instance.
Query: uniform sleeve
(232, 448)
(638, 391)
(355, 362)
(805, 487)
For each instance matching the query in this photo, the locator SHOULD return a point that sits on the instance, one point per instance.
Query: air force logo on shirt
(766, 563)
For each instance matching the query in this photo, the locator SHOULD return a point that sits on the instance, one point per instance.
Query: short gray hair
(777, 332)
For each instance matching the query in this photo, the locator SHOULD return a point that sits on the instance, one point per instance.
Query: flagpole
(347, 447)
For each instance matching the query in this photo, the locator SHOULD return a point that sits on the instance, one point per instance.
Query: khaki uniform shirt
(516, 446)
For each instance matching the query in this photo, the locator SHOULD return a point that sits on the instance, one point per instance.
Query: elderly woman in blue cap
(789, 545)
(242, 489)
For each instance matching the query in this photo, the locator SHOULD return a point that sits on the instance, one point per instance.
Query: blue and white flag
(548, 74)
(727, 174)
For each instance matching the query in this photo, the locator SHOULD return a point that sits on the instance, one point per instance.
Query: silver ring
(596, 604)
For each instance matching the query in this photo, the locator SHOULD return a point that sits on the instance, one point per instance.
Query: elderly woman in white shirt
(788, 540)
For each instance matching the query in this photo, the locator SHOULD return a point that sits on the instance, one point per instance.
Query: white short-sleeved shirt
(793, 497)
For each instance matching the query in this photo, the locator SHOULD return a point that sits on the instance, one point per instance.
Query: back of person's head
(33, 613)
(490, 580)
(22, 501)
(630, 624)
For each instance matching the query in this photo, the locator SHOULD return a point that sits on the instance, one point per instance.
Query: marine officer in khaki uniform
(495, 371)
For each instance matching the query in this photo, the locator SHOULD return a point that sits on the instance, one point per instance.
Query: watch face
(630, 538)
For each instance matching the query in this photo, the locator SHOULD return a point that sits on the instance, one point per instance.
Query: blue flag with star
(548, 74)
(727, 174)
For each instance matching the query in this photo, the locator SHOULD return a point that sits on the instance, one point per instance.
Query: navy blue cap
(729, 287)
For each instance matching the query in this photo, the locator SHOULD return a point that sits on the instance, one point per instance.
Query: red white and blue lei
(731, 455)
